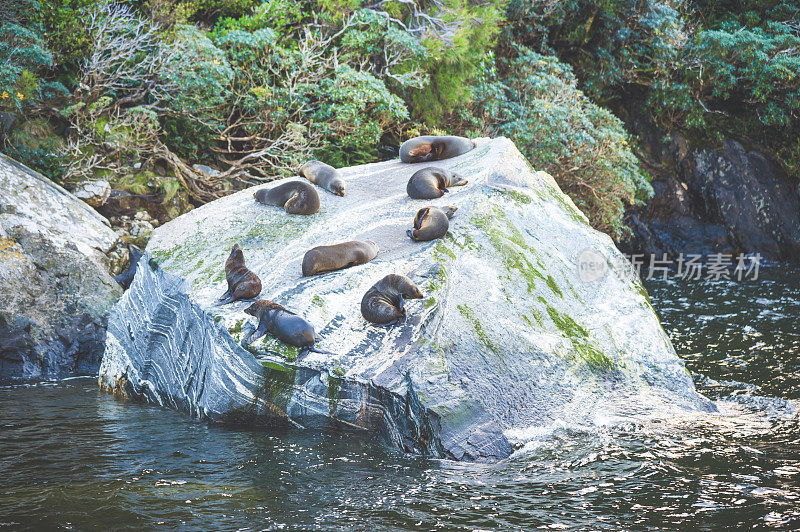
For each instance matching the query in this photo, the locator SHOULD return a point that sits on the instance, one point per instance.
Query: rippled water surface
(72, 457)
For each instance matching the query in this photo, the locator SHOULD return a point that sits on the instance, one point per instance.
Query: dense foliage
(254, 87)
(713, 69)
(738, 75)
(533, 99)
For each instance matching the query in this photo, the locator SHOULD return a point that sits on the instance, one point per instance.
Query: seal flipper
(260, 331)
(410, 234)
(226, 298)
(312, 349)
(390, 323)
(288, 206)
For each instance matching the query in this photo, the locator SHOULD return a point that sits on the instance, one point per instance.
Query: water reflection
(72, 457)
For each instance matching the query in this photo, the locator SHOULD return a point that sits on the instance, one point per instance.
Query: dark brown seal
(126, 278)
(242, 283)
(383, 303)
(322, 259)
(432, 182)
(323, 175)
(431, 223)
(281, 323)
(434, 148)
(296, 197)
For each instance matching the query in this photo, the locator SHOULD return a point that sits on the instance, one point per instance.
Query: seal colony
(384, 302)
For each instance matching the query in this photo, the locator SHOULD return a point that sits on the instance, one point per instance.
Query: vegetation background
(138, 92)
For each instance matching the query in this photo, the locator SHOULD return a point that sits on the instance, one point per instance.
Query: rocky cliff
(724, 199)
(530, 317)
(55, 288)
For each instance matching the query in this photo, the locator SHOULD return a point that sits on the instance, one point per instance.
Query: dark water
(73, 458)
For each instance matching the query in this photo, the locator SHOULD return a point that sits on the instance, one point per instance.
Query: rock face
(530, 317)
(55, 287)
(94, 193)
(725, 200)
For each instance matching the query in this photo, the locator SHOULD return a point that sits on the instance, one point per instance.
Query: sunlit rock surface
(55, 287)
(511, 335)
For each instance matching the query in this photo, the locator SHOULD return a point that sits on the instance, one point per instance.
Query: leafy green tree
(738, 75)
(611, 44)
(66, 31)
(711, 69)
(25, 92)
(534, 100)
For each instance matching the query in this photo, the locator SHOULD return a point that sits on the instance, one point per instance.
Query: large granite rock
(512, 334)
(55, 287)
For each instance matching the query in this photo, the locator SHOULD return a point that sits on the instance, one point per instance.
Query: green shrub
(25, 60)
(740, 77)
(712, 69)
(201, 79)
(454, 55)
(283, 17)
(68, 36)
(355, 109)
(286, 96)
(611, 44)
(533, 99)
(206, 12)
(36, 144)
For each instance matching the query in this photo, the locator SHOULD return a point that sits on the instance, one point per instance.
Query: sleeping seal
(432, 182)
(383, 302)
(322, 259)
(296, 197)
(323, 175)
(431, 223)
(434, 148)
